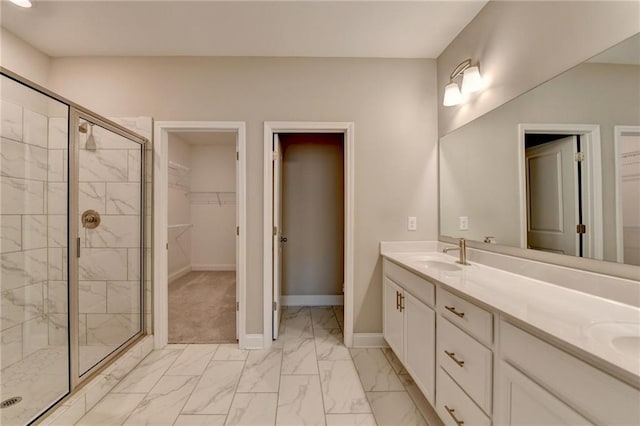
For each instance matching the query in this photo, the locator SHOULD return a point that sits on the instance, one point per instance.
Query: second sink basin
(436, 264)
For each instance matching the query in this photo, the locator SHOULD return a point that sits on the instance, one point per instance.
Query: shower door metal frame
(75, 115)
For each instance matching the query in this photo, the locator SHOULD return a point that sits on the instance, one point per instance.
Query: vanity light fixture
(471, 82)
(22, 3)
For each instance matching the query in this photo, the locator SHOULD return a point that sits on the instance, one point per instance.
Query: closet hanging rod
(178, 166)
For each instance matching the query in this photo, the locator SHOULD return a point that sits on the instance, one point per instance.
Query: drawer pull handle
(401, 303)
(452, 355)
(452, 309)
(453, 416)
(397, 300)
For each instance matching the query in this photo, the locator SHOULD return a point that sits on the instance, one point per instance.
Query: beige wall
(392, 102)
(214, 225)
(524, 43)
(312, 214)
(179, 256)
(20, 57)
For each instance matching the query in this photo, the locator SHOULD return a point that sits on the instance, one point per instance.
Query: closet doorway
(203, 202)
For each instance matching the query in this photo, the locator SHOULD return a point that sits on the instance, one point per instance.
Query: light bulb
(471, 80)
(21, 3)
(452, 95)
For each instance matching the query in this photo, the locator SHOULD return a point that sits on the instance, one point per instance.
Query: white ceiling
(379, 29)
(207, 138)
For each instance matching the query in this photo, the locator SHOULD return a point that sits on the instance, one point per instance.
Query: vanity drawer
(454, 406)
(420, 288)
(466, 315)
(596, 395)
(467, 362)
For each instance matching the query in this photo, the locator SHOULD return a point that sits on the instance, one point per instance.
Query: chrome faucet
(462, 246)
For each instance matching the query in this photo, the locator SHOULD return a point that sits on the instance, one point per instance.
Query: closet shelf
(177, 166)
(213, 197)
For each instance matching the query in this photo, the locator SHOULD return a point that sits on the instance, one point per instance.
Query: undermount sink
(624, 337)
(436, 264)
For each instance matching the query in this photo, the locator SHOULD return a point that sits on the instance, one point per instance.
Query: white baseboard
(369, 340)
(252, 341)
(312, 300)
(214, 267)
(179, 273)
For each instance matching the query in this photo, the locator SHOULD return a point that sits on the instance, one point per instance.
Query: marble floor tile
(230, 352)
(192, 361)
(200, 420)
(253, 409)
(262, 371)
(297, 323)
(300, 401)
(214, 392)
(396, 364)
(147, 373)
(351, 420)
(299, 357)
(162, 405)
(375, 371)
(112, 410)
(420, 401)
(330, 345)
(323, 317)
(395, 409)
(341, 388)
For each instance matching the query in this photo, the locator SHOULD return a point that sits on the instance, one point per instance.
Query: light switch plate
(464, 223)
(412, 223)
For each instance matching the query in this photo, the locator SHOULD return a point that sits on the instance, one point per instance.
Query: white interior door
(277, 233)
(237, 239)
(552, 197)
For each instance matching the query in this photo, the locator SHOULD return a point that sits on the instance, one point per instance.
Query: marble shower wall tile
(123, 297)
(92, 297)
(262, 371)
(10, 233)
(107, 140)
(23, 268)
(115, 232)
(341, 388)
(375, 371)
(23, 161)
(35, 128)
(111, 329)
(133, 264)
(215, 390)
(36, 335)
(108, 264)
(21, 196)
(56, 264)
(10, 121)
(58, 134)
(11, 348)
(134, 165)
(92, 196)
(57, 162)
(162, 405)
(300, 401)
(58, 330)
(123, 198)
(34, 232)
(57, 193)
(103, 165)
(57, 297)
(57, 230)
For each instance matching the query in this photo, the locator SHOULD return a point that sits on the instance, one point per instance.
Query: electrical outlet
(464, 223)
(412, 223)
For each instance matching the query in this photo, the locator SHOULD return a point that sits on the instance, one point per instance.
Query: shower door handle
(78, 247)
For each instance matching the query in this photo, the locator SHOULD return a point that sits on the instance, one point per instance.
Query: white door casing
(620, 134)
(160, 225)
(276, 247)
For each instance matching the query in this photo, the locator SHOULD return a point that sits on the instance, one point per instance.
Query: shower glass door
(109, 240)
(34, 150)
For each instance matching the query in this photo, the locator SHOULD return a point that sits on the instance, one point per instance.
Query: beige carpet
(202, 308)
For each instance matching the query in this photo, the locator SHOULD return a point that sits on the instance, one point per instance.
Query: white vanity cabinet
(409, 324)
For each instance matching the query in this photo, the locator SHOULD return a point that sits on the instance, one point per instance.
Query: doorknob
(283, 239)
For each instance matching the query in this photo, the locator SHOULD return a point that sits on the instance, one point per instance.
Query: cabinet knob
(451, 412)
(452, 309)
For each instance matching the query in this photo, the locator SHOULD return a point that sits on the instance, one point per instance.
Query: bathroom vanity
(486, 346)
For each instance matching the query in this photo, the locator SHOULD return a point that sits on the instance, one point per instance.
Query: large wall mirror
(554, 174)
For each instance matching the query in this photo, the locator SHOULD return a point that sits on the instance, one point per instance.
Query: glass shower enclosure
(72, 246)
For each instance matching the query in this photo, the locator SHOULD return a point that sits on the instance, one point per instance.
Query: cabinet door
(526, 403)
(419, 344)
(392, 320)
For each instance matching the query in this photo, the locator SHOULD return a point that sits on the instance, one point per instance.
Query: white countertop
(606, 329)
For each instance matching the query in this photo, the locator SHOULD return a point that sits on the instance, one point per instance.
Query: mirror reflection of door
(629, 163)
(554, 196)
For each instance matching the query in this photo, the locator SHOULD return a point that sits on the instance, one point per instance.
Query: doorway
(200, 225)
(308, 221)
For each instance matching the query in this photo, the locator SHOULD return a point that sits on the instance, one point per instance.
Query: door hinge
(579, 156)
(237, 230)
(581, 229)
(237, 306)
(167, 247)
(275, 155)
(275, 306)
(275, 230)
(237, 155)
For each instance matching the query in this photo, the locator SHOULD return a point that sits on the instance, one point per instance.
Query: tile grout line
(315, 349)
